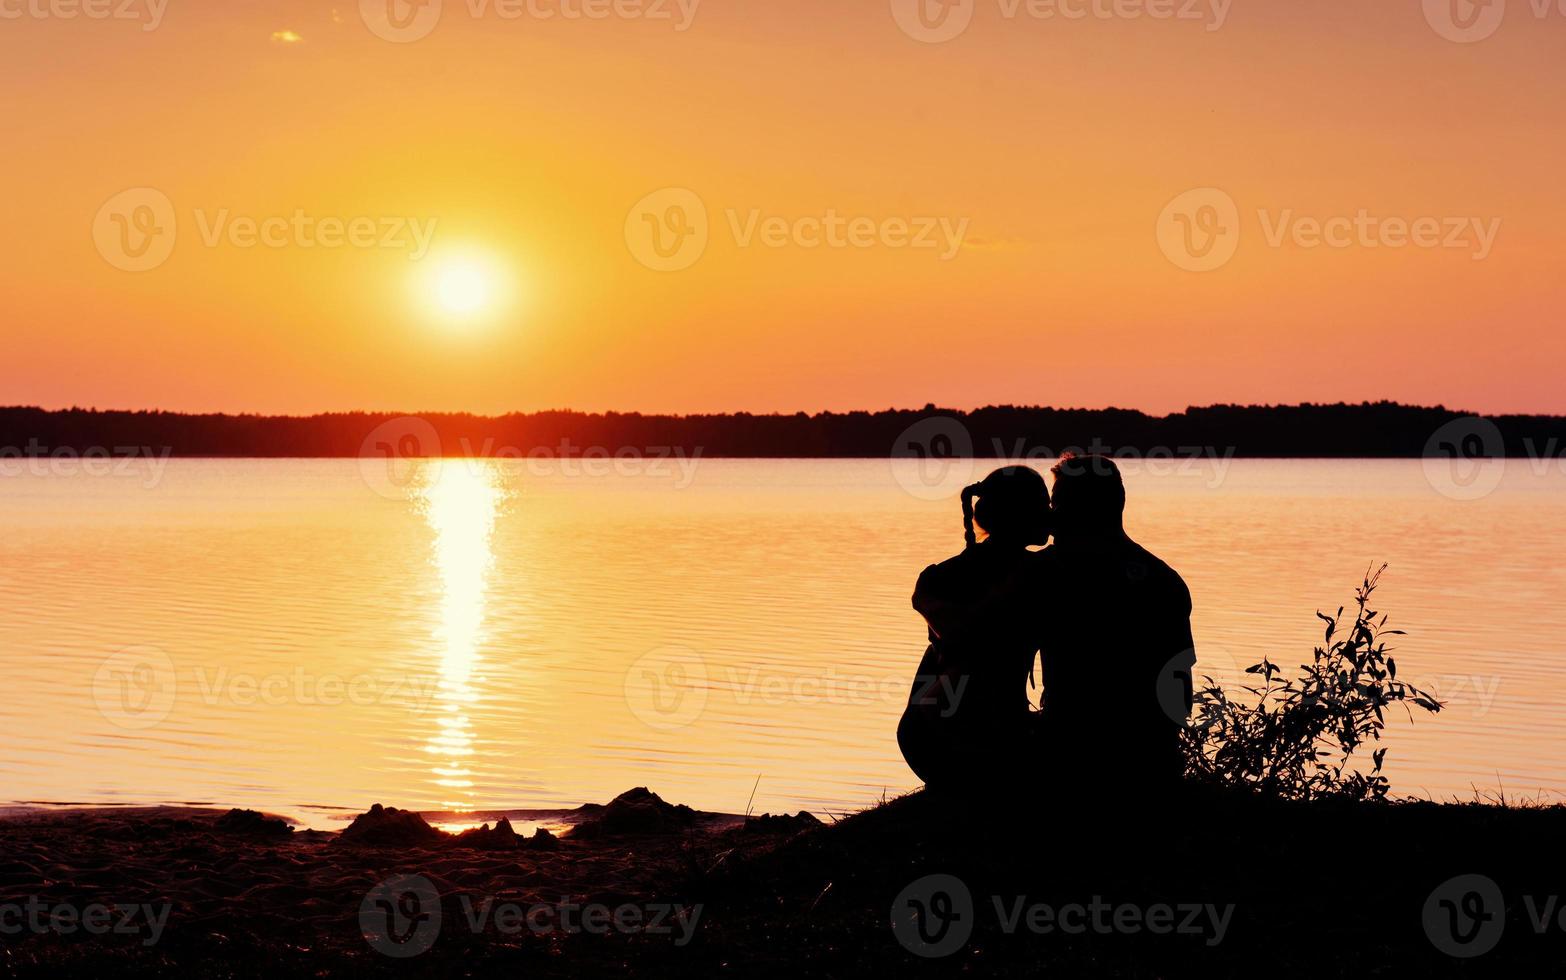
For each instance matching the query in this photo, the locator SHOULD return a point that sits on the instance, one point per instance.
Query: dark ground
(1250, 890)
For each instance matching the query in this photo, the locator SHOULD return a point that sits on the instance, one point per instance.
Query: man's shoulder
(1156, 572)
(1156, 565)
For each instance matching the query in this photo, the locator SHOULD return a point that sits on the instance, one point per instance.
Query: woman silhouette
(968, 715)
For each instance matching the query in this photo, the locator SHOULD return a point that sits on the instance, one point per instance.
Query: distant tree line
(1380, 429)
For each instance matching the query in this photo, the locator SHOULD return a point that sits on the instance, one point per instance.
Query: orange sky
(1053, 145)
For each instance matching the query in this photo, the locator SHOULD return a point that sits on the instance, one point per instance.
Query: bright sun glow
(464, 289)
(465, 286)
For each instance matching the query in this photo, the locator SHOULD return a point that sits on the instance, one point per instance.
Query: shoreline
(641, 887)
(556, 820)
(1305, 430)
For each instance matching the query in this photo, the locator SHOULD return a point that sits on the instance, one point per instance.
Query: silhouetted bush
(1295, 738)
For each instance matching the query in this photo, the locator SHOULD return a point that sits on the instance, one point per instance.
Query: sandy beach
(148, 888)
(641, 887)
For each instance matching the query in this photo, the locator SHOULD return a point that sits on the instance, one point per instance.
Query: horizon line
(927, 408)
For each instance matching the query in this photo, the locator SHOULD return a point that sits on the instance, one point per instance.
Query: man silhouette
(1116, 643)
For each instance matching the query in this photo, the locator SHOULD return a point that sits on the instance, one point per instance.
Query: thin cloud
(286, 37)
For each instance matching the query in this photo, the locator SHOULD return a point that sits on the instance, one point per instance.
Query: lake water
(304, 635)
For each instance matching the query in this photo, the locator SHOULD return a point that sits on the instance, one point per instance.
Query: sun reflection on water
(459, 498)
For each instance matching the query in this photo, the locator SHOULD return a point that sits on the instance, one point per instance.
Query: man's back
(1116, 640)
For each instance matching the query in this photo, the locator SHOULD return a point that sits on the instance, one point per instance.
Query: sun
(465, 286)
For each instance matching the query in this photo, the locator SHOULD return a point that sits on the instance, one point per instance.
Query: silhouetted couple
(1111, 622)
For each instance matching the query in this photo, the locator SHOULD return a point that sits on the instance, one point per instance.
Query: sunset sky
(1042, 150)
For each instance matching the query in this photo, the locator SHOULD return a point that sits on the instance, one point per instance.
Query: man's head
(1090, 497)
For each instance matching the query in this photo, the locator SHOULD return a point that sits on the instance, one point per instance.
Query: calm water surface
(299, 636)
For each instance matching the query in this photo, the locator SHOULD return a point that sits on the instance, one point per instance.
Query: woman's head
(1012, 506)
